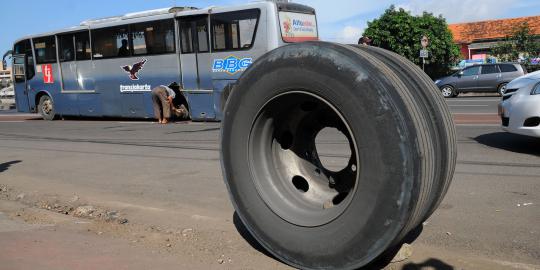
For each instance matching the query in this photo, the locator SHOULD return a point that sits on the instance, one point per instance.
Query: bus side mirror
(4, 64)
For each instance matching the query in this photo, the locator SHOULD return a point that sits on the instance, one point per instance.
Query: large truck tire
(402, 152)
(437, 112)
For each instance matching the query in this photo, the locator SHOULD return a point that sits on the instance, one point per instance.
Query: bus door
(20, 85)
(77, 70)
(68, 66)
(23, 71)
(196, 66)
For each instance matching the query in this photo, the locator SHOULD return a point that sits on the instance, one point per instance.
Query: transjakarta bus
(107, 67)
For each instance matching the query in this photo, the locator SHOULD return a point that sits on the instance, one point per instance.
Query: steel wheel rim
(47, 106)
(503, 89)
(285, 165)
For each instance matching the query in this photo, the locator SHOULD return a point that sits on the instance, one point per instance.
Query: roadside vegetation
(399, 31)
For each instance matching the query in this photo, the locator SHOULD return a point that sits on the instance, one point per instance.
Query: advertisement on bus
(298, 27)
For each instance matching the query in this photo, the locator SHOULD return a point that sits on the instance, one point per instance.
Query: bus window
(66, 48)
(194, 31)
(45, 50)
(153, 37)
(82, 46)
(202, 36)
(18, 70)
(24, 47)
(111, 42)
(234, 30)
(186, 38)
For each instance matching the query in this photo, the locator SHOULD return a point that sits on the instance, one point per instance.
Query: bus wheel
(46, 108)
(398, 145)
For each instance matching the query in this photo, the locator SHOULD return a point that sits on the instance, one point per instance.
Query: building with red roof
(477, 38)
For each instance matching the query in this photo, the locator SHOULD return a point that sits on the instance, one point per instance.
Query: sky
(339, 20)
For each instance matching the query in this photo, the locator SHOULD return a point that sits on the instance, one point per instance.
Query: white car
(520, 105)
(7, 92)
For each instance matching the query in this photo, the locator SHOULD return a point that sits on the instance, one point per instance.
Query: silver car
(520, 106)
(480, 78)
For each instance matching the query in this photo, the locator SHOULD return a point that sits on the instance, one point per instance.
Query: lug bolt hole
(339, 198)
(286, 140)
(300, 183)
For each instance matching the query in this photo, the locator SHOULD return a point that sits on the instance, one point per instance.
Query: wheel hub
(285, 161)
(447, 91)
(47, 106)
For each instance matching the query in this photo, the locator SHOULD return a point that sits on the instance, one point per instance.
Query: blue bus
(107, 67)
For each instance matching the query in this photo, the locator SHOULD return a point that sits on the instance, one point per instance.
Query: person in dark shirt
(124, 50)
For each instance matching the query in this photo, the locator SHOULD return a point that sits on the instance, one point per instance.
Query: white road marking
(468, 105)
(478, 125)
(476, 113)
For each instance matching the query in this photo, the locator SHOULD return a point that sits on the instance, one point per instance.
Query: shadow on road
(428, 264)
(243, 231)
(386, 258)
(4, 166)
(379, 263)
(511, 142)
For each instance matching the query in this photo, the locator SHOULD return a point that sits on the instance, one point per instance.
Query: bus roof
(148, 15)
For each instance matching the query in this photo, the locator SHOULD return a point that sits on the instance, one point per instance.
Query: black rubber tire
(47, 113)
(399, 129)
(438, 114)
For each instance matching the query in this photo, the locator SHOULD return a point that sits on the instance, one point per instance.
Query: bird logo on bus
(134, 70)
(231, 64)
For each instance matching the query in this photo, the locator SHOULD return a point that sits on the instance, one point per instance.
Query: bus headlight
(536, 89)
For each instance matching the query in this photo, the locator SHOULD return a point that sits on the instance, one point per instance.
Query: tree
(399, 31)
(520, 44)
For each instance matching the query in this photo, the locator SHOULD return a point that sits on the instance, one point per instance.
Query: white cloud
(460, 10)
(331, 11)
(349, 34)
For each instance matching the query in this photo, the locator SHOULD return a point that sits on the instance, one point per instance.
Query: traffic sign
(424, 53)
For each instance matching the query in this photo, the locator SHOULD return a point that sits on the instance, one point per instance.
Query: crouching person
(163, 99)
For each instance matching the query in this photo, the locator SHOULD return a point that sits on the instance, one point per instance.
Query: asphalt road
(474, 104)
(166, 181)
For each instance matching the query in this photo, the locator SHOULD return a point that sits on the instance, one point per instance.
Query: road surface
(170, 208)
